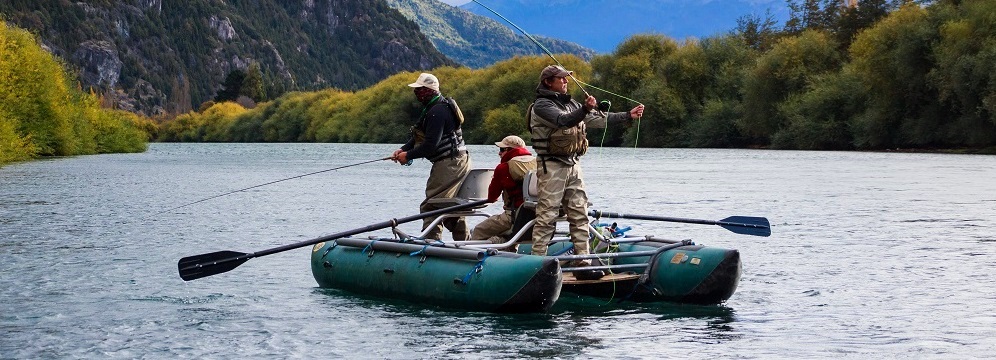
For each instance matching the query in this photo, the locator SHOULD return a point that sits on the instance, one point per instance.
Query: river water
(872, 255)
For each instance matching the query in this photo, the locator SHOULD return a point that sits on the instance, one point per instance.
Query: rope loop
(420, 251)
(370, 248)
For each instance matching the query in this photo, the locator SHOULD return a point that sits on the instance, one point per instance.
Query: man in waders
(515, 162)
(438, 137)
(558, 126)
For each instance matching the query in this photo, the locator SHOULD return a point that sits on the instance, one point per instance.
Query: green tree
(892, 59)
(252, 85)
(232, 87)
(779, 73)
(759, 33)
(819, 117)
(965, 71)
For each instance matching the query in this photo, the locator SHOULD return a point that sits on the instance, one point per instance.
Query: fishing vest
(450, 144)
(549, 139)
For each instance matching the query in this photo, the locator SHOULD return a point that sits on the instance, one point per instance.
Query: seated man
(516, 160)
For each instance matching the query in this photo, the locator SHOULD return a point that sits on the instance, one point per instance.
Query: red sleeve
(494, 189)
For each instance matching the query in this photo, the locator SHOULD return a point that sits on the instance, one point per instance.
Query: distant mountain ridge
(580, 21)
(474, 40)
(167, 57)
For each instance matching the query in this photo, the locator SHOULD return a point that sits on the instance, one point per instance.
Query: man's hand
(636, 112)
(590, 103)
(399, 156)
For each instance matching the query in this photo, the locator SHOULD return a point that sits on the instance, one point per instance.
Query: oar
(271, 182)
(748, 225)
(198, 266)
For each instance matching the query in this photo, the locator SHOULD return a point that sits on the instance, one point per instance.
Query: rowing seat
(473, 188)
(527, 211)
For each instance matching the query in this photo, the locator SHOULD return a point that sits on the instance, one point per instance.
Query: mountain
(166, 57)
(474, 40)
(603, 24)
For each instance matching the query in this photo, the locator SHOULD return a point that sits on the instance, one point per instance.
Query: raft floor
(570, 280)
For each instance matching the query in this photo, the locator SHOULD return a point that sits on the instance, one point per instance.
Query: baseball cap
(426, 80)
(511, 141)
(554, 70)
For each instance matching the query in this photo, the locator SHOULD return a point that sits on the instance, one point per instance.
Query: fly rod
(271, 182)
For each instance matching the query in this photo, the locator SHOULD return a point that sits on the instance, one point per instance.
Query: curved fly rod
(550, 54)
(271, 182)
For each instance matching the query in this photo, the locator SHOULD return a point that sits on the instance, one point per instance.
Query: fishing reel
(604, 105)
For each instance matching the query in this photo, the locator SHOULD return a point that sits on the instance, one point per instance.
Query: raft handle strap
(370, 248)
(477, 268)
(332, 246)
(420, 251)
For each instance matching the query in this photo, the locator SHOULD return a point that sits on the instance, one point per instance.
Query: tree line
(881, 75)
(43, 112)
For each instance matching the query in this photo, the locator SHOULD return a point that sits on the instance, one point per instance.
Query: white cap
(511, 141)
(426, 80)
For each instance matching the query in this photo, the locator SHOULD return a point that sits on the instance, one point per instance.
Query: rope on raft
(477, 268)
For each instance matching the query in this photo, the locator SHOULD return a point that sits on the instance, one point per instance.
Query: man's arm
(548, 110)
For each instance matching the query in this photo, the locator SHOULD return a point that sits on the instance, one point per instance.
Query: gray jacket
(565, 112)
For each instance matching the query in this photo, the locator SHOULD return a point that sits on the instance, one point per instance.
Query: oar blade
(747, 225)
(198, 266)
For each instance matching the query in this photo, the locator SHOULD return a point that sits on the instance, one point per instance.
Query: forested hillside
(874, 77)
(167, 57)
(473, 40)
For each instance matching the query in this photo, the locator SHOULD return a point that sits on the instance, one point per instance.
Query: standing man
(515, 162)
(437, 136)
(557, 125)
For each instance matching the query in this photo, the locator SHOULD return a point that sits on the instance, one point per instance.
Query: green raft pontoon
(476, 280)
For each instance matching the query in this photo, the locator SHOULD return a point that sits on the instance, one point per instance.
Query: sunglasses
(504, 149)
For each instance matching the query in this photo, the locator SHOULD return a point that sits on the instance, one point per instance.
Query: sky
(618, 20)
(456, 2)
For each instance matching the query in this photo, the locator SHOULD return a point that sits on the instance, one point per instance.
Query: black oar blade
(747, 225)
(198, 266)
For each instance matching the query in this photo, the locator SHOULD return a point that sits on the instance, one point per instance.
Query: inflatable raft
(474, 275)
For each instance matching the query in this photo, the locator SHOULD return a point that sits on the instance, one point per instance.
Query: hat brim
(564, 74)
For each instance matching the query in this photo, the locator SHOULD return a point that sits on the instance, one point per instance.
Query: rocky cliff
(160, 58)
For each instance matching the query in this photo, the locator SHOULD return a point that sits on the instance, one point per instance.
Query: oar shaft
(368, 228)
(607, 214)
(198, 266)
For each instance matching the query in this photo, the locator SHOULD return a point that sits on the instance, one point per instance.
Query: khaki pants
(560, 185)
(493, 228)
(444, 182)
